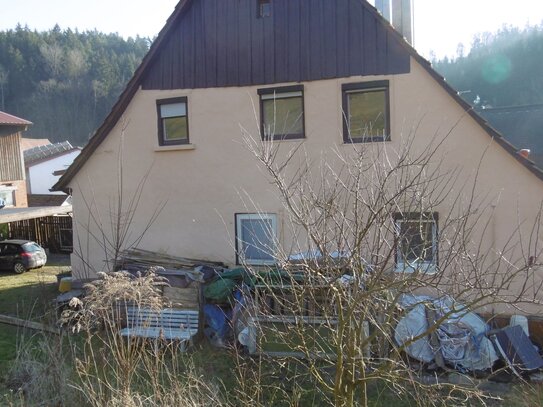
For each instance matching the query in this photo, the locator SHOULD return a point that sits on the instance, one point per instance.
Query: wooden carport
(50, 226)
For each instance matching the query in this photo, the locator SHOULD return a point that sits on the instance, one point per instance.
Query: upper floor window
(173, 125)
(282, 112)
(416, 248)
(366, 112)
(264, 8)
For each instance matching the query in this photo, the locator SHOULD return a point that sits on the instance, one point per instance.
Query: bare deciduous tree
(374, 223)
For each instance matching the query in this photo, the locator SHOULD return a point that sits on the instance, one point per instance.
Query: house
(45, 163)
(12, 173)
(329, 76)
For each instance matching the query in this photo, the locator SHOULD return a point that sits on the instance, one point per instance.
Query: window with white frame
(417, 242)
(7, 195)
(256, 236)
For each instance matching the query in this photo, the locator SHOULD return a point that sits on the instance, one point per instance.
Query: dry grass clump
(41, 373)
(117, 371)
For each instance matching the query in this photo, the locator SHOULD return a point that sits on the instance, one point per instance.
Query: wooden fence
(52, 232)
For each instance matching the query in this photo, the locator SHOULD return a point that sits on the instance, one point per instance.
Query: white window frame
(403, 266)
(3, 189)
(240, 217)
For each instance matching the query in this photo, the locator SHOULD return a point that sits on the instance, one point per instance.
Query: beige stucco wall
(203, 186)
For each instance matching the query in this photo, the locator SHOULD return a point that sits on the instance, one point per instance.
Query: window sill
(426, 268)
(365, 140)
(178, 147)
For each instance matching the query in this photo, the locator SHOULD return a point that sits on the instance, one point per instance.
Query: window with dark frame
(417, 242)
(264, 8)
(282, 112)
(366, 112)
(173, 125)
(256, 235)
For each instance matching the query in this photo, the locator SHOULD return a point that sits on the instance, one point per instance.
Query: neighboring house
(45, 163)
(12, 171)
(218, 64)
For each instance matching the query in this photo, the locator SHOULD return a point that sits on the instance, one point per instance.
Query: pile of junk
(442, 333)
(436, 333)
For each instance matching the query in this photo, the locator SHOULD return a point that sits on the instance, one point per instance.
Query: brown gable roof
(181, 8)
(223, 43)
(9, 119)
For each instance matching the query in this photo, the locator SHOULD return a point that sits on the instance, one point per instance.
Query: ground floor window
(256, 237)
(416, 242)
(7, 196)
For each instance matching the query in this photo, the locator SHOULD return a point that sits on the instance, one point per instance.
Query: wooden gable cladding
(11, 159)
(218, 43)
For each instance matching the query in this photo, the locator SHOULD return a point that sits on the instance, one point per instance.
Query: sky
(440, 25)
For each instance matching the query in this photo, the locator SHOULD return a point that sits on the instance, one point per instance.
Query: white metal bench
(169, 324)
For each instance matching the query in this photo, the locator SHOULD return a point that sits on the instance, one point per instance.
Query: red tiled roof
(28, 143)
(9, 119)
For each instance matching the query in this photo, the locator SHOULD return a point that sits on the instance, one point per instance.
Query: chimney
(400, 14)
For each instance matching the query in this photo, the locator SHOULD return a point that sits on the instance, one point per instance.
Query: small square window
(366, 112)
(282, 112)
(416, 248)
(173, 125)
(7, 196)
(256, 236)
(264, 8)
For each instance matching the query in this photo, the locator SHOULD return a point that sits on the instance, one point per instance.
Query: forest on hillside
(502, 78)
(65, 81)
(501, 69)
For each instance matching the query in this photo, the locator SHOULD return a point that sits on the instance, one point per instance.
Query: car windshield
(31, 247)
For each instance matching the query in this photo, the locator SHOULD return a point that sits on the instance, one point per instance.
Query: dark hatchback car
(21, 255)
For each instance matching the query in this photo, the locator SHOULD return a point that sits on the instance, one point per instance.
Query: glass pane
(367, 114)
(417, 241)
(257, 239)
(173, 109)
(175, 128)
(7, 196)
(283, 116)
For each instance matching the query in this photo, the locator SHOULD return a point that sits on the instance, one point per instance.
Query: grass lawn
(26, 296)
(30, 295)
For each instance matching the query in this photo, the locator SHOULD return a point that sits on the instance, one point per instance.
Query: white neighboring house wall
(40, 178)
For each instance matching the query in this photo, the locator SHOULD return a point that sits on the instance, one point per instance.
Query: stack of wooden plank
(140, 259)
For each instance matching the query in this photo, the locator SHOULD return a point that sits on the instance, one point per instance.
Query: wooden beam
(6, 319)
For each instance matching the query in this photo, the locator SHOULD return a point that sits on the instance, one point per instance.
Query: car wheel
(19, 268)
